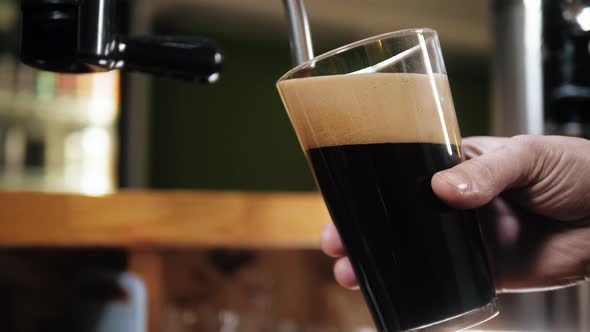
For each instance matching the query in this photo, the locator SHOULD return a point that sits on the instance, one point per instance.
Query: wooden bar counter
(162, 219)
(147, 223)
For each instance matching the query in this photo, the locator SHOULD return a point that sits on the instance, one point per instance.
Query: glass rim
(365, 41)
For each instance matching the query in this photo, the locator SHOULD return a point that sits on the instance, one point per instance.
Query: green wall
(235, 134)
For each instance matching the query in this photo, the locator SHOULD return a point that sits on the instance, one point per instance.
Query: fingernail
(456, 180)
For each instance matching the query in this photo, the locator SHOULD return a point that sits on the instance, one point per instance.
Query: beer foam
(371, 108)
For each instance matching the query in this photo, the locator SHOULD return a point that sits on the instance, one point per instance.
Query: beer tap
(82, 36)
(567, 67)
(541, 67)
(299, 31)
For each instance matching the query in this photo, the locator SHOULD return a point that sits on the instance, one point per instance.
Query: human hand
(533, 194)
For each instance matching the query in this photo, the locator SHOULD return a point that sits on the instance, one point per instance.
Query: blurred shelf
(70, 110)
(162, 219)
(61, 180)
(8, 14)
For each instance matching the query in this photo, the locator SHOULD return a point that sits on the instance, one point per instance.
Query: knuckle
(530, 152)
(485, 173)
(529, 144)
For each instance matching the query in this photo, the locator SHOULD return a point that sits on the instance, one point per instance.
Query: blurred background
(96, 134)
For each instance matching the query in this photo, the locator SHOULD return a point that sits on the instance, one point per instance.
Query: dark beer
(417, 260)
(374, 142)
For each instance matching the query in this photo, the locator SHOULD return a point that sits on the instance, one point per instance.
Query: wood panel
(147, 265)
(270, 290)
(162, 219)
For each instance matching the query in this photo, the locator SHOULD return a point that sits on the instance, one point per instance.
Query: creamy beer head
(371, 108)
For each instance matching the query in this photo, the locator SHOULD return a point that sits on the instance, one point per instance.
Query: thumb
(477, 181)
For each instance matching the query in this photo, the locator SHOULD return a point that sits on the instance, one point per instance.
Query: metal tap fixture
(299, 32)
(542, 67)
(82, 36)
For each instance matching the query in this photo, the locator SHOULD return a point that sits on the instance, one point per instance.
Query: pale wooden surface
(162, 219)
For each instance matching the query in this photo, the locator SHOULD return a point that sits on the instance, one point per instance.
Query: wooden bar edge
(159, 219)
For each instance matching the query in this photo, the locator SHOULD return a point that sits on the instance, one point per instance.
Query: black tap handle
(173, 57)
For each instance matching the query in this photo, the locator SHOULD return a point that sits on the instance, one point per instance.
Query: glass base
(463, 321)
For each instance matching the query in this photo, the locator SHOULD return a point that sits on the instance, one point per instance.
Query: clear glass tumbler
(376, 121)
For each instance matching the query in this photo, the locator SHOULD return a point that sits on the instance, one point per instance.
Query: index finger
(330, 241)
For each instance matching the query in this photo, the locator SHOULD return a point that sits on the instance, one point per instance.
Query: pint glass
(376, 121)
